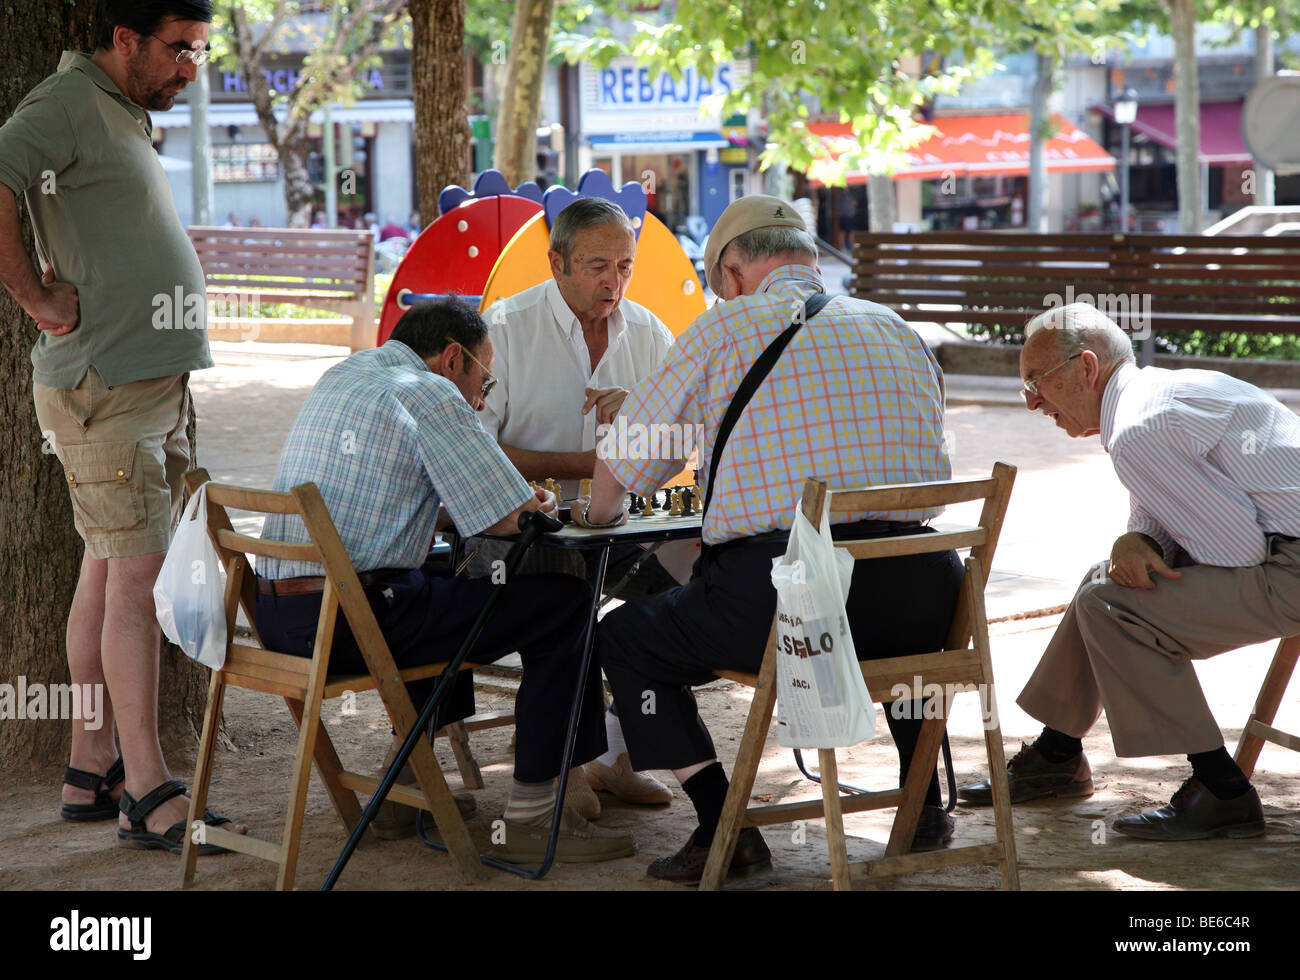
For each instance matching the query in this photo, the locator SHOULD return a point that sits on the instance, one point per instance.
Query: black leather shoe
(687, 866)
(1195, 813)
(1032, 777)
(933, 830)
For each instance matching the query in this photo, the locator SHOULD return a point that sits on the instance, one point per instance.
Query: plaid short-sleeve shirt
(856, 399)
(385, 440)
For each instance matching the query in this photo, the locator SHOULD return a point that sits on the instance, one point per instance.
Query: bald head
(1066, 330)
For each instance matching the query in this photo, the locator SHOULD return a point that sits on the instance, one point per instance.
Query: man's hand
(1132, 557)
(58, 309)
(579, 508)
(547, 503)
(606, 402)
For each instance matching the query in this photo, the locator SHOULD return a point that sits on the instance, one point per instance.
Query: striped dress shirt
(1211, 464)
(385, 439)
(856, 399)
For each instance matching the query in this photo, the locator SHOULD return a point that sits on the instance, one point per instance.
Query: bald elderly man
(1210, 562)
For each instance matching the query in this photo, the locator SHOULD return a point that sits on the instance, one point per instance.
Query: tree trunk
(1036, 212)
(882, 204)
(1187, 115)
(438, 77)
(299, 191)
(521, 103)
(40, 552)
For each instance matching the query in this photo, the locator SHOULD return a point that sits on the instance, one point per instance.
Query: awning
(1221, 141)
(243, 113)
(978, 146)
(657, 142)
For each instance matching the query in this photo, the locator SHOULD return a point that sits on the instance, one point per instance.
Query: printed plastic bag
(190, 593)
(822, 700)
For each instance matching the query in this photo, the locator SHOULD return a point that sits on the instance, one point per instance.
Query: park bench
(1165, 282)
(318, 269)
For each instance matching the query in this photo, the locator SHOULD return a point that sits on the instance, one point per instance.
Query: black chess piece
(688, 500)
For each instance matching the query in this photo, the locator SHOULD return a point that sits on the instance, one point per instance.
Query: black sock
(1219, 773)
(707, 790)
(1056, 746)
(906, 730)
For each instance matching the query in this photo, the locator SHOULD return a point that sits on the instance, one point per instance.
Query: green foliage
(855, 56)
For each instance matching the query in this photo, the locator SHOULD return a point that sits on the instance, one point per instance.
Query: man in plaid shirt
(388, 436)
(855, 399)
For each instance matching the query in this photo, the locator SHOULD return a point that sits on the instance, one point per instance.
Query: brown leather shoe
(1195, 813)
(686, 867)
(396, 821)
(1032, 777)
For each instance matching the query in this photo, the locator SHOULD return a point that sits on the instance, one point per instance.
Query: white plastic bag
(822, 700)
(190, 593)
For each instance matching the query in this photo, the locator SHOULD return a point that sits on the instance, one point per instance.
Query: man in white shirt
(1210, 562)
(564, 350)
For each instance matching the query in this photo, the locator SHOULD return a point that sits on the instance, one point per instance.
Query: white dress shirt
(542, 367)
(1211, 463)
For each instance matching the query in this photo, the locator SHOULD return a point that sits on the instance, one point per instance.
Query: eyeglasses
(186, 52)
(489, 382)
(1031, 387)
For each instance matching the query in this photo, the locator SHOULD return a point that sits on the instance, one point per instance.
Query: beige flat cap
(741, 216)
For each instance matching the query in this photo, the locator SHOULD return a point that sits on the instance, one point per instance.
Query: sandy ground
(1061, 845)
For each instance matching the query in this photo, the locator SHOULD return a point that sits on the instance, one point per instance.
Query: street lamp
(1126, 107)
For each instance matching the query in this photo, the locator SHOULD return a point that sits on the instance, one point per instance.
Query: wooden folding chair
(1259, 727)
(962, 663)
(304, 683)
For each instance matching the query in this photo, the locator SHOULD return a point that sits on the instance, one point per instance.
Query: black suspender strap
(749, 384)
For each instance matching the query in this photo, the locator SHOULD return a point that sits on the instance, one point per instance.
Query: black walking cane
(533, 524)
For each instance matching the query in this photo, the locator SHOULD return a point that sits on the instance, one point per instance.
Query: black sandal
(174, 839)
(104, 807)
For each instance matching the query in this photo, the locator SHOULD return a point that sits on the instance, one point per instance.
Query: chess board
(659, 525)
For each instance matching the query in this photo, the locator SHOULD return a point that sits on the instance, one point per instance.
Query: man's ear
(1091, 368)
(556, 261)
(126, 41)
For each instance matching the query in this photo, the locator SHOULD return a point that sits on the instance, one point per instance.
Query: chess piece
(688, 500)
(676, 509)
(648, 510)
(631, 500)
(584, 489)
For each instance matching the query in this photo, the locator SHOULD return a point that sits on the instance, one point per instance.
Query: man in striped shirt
(1209, 563)
(855, 399)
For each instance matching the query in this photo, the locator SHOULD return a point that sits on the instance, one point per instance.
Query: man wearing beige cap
(854, 397)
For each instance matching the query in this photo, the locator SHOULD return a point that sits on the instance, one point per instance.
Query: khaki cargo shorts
(124, 451)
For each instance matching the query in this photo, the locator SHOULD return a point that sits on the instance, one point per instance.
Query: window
(243, 162)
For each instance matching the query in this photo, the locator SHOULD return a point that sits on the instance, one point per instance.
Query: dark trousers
(654, 650)
(426, 613)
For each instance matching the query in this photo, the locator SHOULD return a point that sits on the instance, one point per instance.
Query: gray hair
(762, 243)
(1081, 326)
(585, 212)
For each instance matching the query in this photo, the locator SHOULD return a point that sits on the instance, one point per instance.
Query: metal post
(1123, 178)
(331, 178)
(200, 150)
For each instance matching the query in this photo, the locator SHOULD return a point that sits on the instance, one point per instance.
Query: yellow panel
(663, 279)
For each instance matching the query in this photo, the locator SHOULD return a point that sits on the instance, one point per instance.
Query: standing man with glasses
(118, 299)
(1210, 562)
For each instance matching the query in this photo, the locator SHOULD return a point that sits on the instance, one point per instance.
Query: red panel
(440, 259)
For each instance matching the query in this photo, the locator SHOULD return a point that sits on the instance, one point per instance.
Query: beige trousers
(1130, 650)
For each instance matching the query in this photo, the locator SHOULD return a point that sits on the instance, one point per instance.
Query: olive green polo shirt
(104, 218)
